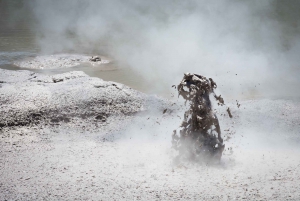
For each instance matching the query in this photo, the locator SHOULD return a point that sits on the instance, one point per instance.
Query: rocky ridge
(28, 98)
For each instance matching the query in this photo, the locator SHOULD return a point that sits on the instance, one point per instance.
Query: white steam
(257, 40)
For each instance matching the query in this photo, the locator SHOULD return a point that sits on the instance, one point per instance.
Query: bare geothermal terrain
(114, 143)
(56, 61)
(78, 120)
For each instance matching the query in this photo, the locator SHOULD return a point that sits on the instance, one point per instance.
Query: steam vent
(199, 136)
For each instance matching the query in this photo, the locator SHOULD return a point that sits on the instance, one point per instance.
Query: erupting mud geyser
(199, 136)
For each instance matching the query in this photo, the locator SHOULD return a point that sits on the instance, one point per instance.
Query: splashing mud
(199, 136)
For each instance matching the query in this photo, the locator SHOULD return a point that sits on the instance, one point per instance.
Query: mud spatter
(199, 136)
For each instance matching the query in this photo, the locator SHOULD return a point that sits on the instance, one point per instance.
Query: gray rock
(95, 58)
(28, 98)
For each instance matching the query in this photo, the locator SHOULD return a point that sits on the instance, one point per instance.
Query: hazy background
(251, 48)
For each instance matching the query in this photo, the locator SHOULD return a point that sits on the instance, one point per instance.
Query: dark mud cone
(199, 136)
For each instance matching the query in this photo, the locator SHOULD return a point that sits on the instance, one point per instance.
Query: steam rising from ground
(257, 40)
(248, 47)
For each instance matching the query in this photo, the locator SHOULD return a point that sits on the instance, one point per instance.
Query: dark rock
(95, 58)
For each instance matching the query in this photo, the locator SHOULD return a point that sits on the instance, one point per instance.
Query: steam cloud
(251, 47)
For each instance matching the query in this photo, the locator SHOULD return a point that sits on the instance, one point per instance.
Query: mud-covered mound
(29, 98)
(59, 61)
